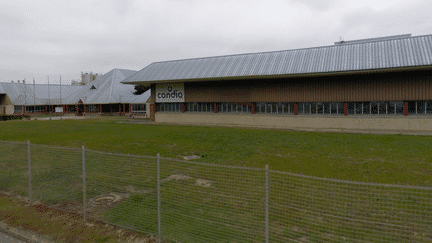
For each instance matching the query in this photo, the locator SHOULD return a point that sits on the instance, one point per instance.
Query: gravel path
(5, 238)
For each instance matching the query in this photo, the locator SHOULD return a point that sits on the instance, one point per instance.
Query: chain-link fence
(185, 201)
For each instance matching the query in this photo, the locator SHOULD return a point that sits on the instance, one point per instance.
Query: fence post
(84, 183)
(266, 204)
(29, 171)
(158, 198)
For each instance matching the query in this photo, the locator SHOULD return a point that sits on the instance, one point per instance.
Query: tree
(139, 89)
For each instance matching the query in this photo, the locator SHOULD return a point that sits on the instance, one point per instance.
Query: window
(374, 107)
(421, 107)
(93, 108)
(169, 107)
(139, 108)
(399, 107)
(300, 108)
(312, 108)
(36, 109)
(351, 106)
(18, 108)
(428, 105)
(358, 108)
(390, 108)
(307, 108)
(326, 108)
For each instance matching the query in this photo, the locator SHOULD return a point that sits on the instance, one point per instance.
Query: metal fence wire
(186, 201)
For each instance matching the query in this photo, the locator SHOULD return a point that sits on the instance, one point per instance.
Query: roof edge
(297, 75)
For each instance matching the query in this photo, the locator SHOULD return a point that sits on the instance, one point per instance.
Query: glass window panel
(399, 107)
(358, 108)
(374, 107)
(429, 107)
(420, 107)
(307, 108)
(291, 108)
(390, 108)
(333, 108)
(313, 108)
(351, 108)
(382, 107)
(300, 108)
(411, 107)
(366, 108)
(260, 106)
(278, 108)
(326, 108)
(319, 108)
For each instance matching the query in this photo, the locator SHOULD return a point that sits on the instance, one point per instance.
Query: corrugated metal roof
(108, 90)
(367, 54)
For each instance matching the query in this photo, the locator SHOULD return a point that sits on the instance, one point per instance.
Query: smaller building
(96, 95)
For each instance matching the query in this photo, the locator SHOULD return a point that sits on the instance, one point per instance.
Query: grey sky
(48, 38)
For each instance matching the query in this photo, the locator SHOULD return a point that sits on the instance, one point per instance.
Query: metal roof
(368, 54)
(108, 90)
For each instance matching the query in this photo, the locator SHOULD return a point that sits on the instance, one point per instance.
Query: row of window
(32, 109)
(204, 107)
(307, 108)
(92, 108)
(304, 108)
(138, 108)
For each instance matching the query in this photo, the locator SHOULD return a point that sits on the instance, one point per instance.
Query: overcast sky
(52, 38)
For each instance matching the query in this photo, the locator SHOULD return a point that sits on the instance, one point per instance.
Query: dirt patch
(98, 205)
(64, 222)
(199, 182)
(176, 177)
(203, 183)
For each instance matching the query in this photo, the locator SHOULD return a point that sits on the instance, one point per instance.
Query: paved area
(6, 238)
(57, 118)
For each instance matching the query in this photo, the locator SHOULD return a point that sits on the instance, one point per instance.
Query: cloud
(403, 18)
(58, 37)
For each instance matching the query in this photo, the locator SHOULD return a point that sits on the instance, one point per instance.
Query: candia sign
(170, 92)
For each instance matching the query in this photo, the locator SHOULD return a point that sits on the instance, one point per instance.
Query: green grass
(400, 159)
(300, 208)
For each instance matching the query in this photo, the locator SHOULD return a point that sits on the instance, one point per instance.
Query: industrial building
(94, 95)
(378, 83)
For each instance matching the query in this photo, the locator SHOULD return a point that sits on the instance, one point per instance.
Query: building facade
(379, 83)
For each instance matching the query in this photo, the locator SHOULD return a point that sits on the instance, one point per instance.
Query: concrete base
(416, 125)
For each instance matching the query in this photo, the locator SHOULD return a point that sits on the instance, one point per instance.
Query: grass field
(235, 197)
(393, 159)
